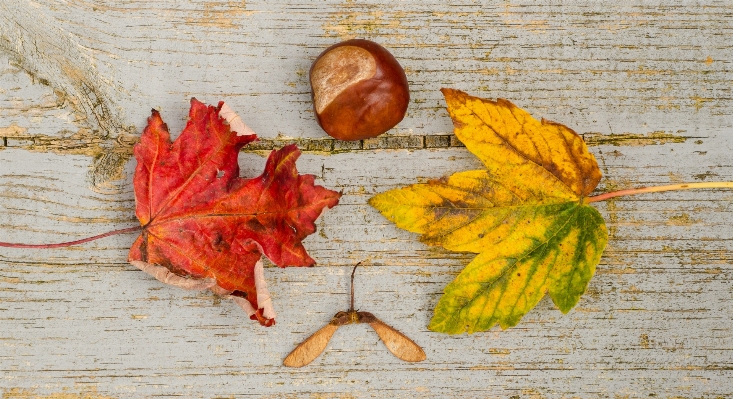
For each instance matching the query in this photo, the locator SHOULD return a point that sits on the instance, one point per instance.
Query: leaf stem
(351, 308)
(671, 187)
(70, 243)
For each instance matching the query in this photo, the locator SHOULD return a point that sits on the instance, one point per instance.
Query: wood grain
(648, 86)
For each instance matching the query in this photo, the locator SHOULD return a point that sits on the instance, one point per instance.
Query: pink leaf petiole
(656, 189)
(70, 243)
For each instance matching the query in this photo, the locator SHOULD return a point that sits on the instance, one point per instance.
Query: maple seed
(397, 343)
(359, 90)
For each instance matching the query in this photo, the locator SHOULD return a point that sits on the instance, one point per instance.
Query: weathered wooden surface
(648, 85)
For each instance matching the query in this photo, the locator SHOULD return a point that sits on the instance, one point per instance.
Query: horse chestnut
(359, 90)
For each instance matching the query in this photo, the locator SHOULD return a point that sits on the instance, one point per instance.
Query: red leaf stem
(70, 243)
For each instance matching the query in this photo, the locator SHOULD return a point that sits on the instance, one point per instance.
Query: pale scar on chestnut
(338, 69)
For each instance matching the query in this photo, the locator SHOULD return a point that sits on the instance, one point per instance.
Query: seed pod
(397, 343)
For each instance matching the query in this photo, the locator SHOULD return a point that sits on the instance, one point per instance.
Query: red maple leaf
(205, 227)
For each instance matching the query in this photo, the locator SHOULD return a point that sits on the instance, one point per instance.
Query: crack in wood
(79, 143)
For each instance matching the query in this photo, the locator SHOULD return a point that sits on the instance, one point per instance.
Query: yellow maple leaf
(525, 216)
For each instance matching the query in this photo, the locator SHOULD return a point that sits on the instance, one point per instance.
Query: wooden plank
(657, 312)
(648, 85)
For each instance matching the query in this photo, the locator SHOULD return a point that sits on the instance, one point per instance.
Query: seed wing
(397, 343)
(309, 349)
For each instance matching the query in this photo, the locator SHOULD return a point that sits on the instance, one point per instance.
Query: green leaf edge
(565, 304)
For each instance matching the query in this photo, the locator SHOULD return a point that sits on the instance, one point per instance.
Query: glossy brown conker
(359, 90)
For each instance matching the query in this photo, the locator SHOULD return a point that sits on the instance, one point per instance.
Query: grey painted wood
(648, 85)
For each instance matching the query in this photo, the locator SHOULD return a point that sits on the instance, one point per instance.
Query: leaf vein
(502, 276)
(521, 154)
